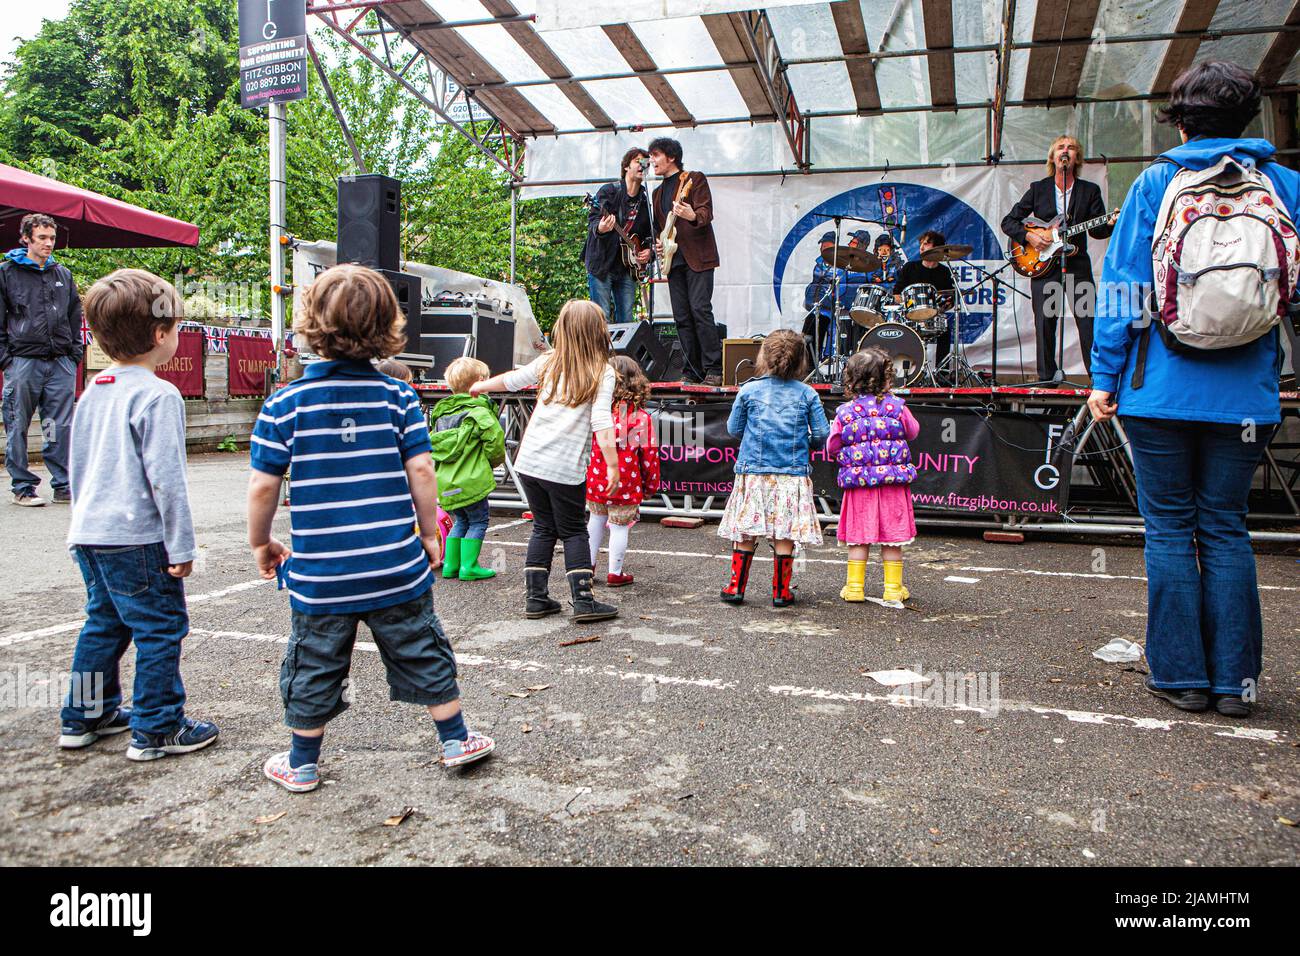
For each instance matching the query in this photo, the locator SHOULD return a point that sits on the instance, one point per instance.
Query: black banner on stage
(967, 460)
(272, 51)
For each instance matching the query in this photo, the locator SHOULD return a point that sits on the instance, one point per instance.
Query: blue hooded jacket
(1224, 385)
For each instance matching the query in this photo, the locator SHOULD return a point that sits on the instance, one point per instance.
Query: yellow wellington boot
(854, 590)
(894, 590)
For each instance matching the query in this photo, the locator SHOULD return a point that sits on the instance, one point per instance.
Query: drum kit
(909, 330)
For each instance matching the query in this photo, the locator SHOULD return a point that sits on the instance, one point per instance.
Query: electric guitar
(668, 237)
(630, 245)
(1032, 263)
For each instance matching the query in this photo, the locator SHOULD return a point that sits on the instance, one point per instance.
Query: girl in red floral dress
(638, 469)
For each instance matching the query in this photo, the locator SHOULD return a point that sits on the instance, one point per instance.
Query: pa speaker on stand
(370, 221)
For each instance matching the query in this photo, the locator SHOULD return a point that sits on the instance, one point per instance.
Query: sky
(22, 20)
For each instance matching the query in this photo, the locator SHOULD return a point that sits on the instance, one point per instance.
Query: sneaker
(62, 496)
(74, 735)
(295, 779)
(1231, 705)
(474, 747)
(1189, 699)
(190, 735)
(713, 381)
(28, 499)
(618, 580)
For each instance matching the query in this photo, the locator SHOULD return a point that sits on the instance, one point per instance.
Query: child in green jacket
(467, 444)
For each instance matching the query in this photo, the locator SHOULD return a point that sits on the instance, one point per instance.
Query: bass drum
(905, 348)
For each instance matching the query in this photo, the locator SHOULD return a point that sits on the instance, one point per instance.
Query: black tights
(559, 514)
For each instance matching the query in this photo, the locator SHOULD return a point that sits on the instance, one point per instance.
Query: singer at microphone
(619, 240)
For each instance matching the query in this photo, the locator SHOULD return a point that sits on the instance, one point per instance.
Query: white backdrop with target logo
(768, 230)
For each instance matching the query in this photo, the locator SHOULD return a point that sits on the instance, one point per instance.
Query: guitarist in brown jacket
(1060, 193)
(690, 273)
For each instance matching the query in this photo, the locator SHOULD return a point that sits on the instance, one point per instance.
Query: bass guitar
(668, 237)
(630, 245)
(1033, 263)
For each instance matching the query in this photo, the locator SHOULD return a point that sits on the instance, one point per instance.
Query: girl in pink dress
(869, 440)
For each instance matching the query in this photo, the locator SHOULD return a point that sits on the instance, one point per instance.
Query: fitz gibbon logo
(77, 909)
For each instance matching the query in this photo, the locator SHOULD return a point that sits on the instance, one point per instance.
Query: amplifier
(492, 332)
(739, 357)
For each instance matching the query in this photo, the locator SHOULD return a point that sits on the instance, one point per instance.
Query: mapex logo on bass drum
(889, 334)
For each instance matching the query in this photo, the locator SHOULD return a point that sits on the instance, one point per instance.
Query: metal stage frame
(1103, 453)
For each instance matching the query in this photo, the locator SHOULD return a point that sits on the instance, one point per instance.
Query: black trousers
(691, 295)
(559, 514)
(1049, 296)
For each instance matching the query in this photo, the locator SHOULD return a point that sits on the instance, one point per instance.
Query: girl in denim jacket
(776, 417)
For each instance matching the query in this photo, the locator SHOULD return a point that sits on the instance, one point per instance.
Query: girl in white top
(575, 390)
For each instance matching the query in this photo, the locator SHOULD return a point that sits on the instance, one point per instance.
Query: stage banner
(967, 460)
(249, 358)
(769, 228)
(185, 370)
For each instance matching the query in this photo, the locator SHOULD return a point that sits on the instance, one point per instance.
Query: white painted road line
(22, 637)
(957, 579)
(1101, 577)
(895, 699)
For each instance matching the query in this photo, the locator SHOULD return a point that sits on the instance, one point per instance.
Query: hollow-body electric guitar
(668, 237)
(629, 244)
(1032, 263)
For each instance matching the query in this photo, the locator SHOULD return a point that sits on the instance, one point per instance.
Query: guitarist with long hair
(1061, 193)
(684, 217)
(610, 279)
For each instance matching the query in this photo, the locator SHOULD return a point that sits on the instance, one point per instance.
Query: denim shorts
(417, 656)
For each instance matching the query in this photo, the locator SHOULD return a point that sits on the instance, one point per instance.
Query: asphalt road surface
(690, 733)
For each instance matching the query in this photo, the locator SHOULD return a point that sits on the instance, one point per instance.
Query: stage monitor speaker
(370, 221)
(739, 359)
(444, 348)
(638, 341)
(407, 289)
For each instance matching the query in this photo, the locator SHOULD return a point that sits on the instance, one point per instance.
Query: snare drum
(905, 349)
(920, 302)
(869, 304)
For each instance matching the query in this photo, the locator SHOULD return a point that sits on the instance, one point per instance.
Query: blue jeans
(1204, 628)
(616, 294)
(470, 521)
(131, 597)
(50, 386)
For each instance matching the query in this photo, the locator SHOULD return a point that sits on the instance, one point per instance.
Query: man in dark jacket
(40, 348)
(1060, 193)
(611, 283)
(690, 275)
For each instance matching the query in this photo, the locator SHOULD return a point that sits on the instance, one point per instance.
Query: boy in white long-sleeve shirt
(131, 530)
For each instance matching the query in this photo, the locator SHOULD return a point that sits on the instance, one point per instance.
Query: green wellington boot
(451, 558)
(469, 569)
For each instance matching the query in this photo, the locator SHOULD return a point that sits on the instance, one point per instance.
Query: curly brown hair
(869, 372)
(630, 383)
(782, 354)
(350, 312)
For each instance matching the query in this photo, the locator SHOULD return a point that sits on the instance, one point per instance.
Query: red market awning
(86, 220)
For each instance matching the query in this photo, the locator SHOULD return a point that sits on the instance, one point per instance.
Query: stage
(997, 458)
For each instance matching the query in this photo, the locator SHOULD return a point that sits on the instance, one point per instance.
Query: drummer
(816, 298)
(937, 274)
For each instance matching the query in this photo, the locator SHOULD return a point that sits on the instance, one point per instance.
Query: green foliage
(139, 100)
(229, 443)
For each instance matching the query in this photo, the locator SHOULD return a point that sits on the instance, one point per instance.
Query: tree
(139, 100)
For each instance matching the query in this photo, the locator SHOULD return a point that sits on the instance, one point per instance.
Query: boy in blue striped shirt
(362, 476)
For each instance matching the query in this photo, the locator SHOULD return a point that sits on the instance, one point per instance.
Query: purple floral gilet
(874, 450)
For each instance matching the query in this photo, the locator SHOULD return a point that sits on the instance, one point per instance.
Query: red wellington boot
(782, 571)
(734, 593)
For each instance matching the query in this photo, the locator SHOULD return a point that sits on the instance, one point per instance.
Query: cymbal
(946, 253)
(851, 258)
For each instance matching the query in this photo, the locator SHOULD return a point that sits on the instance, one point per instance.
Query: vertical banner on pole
(272, 51)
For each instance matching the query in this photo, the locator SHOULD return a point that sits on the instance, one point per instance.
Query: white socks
(618, 534)
(596, 534)
(617, 546)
